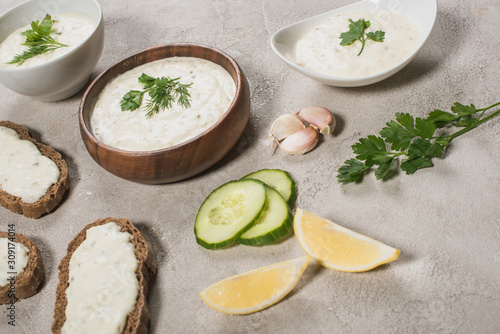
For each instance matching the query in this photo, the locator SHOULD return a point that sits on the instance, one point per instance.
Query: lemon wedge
(337, 247)
(255, 290)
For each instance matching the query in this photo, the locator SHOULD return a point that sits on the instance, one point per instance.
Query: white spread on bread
(103, 285)
(212, 92)
(24, 171)
(321, 52)
(70, 28)
(13, 260)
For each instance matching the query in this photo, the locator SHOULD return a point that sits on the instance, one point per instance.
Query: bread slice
(54, 194)
(29, 280)
(138, 319)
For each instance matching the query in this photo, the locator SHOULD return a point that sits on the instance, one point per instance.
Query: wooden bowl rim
(84, 101)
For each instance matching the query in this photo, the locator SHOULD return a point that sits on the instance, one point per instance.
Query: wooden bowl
(177, 162)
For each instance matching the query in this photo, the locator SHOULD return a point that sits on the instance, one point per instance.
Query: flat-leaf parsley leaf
(415, 140)
(356, 32)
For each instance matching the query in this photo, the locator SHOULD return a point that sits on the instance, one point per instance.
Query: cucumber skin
(274, 235)
(271, 236)
(229, 241)
(293, 193)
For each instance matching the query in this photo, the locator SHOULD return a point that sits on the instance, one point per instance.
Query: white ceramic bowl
(421, 12)
(64, 76)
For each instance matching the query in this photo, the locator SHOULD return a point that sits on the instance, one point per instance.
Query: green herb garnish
(38, 39)
(413, 139)
(162, 92)
(357, 33)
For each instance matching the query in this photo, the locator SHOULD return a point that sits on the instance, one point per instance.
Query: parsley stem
(493, 105)
(396, 154)
(487, 108)
(475, 124)
(363, 40)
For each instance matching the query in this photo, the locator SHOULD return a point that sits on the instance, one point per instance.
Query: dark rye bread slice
(54, 194)
(138, 319)
(29, 280)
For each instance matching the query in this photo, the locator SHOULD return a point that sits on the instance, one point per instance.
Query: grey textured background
(445, 220)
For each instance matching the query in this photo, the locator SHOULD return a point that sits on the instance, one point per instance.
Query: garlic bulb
(300, 142)
(320, 117)
(285, 126)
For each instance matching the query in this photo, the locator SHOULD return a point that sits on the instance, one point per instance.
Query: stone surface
(445, 219)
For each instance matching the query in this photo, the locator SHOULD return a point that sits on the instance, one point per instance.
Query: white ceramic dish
(422, 13)
(63, 76)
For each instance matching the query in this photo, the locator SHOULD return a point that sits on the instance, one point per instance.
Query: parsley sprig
(38, 40)
(416, 141)
(162, 92)
(357, 33)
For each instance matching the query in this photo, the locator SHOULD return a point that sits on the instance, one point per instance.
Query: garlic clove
(285, 126)
(320, 117)
(300, 142)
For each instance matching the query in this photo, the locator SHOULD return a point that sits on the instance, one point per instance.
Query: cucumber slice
(228, 212)
(274, 222)
(278, 179)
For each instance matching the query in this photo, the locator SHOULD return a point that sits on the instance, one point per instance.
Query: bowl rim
(99, 23)
(88, 132)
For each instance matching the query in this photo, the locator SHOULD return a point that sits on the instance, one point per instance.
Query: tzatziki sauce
(24, 171)
(320, 50)
(69, 28)
(8, 265)
(212, 91)
(103, 284)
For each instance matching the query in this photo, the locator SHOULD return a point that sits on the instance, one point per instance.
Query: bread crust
(138, 319)
(54, 194)
(29, 280)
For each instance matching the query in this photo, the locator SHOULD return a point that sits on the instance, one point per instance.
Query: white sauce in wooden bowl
(212, 91)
